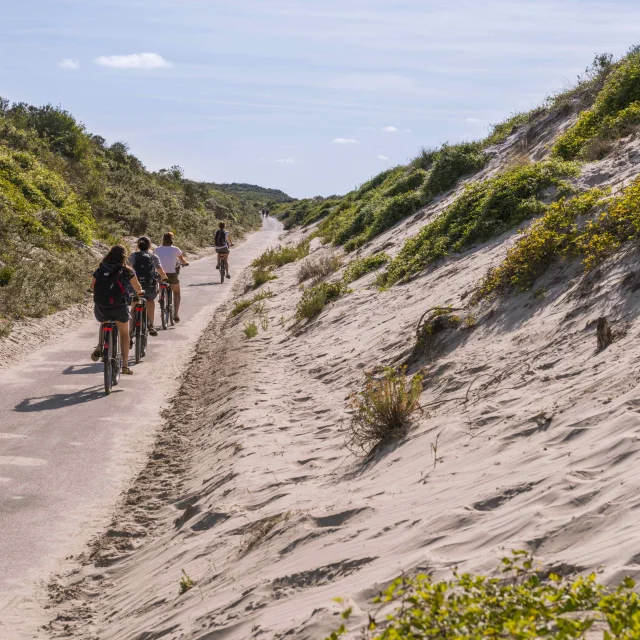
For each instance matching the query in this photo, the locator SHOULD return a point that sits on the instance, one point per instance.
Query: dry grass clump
(5, 328)
(382, 410)
(242, 305)
(262, 276)
(256, 532)
(319, 268)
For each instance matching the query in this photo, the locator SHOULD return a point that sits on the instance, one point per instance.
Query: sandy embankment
(252, 492)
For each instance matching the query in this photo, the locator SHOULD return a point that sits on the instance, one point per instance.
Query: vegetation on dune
(254, 193)
(303, 212)
(61, 188)
(382, 411)
(241, 305)
(278, 257)
(318, 267)
(562, 232)
(315, 298)
(615, 112)
(483, 211)
(522, 603)
(357, 269)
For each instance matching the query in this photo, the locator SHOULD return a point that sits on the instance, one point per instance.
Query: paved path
(67, 450)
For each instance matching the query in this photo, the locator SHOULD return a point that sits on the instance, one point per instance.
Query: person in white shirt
(169, 256)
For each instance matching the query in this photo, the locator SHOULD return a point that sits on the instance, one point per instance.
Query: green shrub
(242, 305)
(318, 268)
(261, 276)
(315, 298)
(382, 410)
(483, 211)
(501, 131)
(615, 111)
(278, 257)
(407, 183)
(250, 330)
(521, 603)
(550, 237)
(359, 268)
(450, 163)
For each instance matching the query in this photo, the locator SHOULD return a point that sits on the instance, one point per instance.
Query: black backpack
(221, 238)
(144, 268)
(109, 291)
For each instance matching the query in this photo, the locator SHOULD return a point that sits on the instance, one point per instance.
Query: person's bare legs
(123, 331)
(176, 298)
(151, 307)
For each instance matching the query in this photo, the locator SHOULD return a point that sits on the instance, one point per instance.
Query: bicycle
(224, 267)
(140, 327)
(111, 355)
(166, 304)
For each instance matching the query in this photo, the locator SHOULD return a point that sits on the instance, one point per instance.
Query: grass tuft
(359, 268)
(317, 297)
(382, 410)
(318, 268)
(186, 583)
(250, 330)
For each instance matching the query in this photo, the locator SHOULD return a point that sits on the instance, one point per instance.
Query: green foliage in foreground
(520, 604)
(616, 111)
(483, 211)
(557, 235)
(356, 269)
(315, 298)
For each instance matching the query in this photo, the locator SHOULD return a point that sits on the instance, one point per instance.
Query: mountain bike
(140, 328)
(166, 304)
(111, 355)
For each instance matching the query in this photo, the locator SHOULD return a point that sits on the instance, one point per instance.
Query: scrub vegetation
(62, 189)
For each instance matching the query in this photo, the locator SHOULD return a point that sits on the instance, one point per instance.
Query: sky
(309, 96)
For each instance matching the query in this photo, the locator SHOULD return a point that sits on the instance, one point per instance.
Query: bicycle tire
(170, 310)
(162, 306)
(223, 264)
(116, 361)
(138, 339)
(106, 357)
(145, 332)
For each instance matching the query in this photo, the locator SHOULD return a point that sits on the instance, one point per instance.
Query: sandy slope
(272, 517)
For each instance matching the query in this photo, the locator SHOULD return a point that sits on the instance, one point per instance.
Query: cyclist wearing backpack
(111, 300)
(222, 242)
(149, 271)
(169, 256)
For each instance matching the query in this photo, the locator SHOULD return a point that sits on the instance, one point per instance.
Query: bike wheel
(163, 304)
(145, 333)
(116, 361)
(170, 310)
(139, 334)
(223, 265)
(106, 357)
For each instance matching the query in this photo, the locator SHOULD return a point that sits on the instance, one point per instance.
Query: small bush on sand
(274, 258)
(318, 268)
(250, 330)
(315, 298)
(5, 328)
(242, 305)
(359, 268)
(186, 583)
(382, 410)
(518, 601)
(262, 276)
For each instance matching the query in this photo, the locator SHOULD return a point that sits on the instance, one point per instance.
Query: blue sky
(309, 96)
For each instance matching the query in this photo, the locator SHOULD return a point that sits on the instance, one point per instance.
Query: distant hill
(254, 193)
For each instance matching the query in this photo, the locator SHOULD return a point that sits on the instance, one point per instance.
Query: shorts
(173, 278)
(119, 314)
(222, 250)
(150, 292)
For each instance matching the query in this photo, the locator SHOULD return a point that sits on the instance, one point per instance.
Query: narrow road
(67, 450)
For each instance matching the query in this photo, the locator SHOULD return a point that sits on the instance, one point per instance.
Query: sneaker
(152, 331)
(229, 275)
(218, 267)
(97, 353)
(176, 318)
(126, 371)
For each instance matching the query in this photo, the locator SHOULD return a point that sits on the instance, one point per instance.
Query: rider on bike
(111, 301)
(169, 256)
(222, 242)
(148, 267)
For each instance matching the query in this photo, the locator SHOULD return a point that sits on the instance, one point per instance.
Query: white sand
(540, 437)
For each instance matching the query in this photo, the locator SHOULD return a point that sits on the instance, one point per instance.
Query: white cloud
(69, 64)
(286, 160)
(381, 157)
(389, 129)
(473, 121)
(345, 141)
(133, 61)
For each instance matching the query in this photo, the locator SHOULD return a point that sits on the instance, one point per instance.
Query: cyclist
(148, 267)
(111, 301)
(222, 242)
(169, 256)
